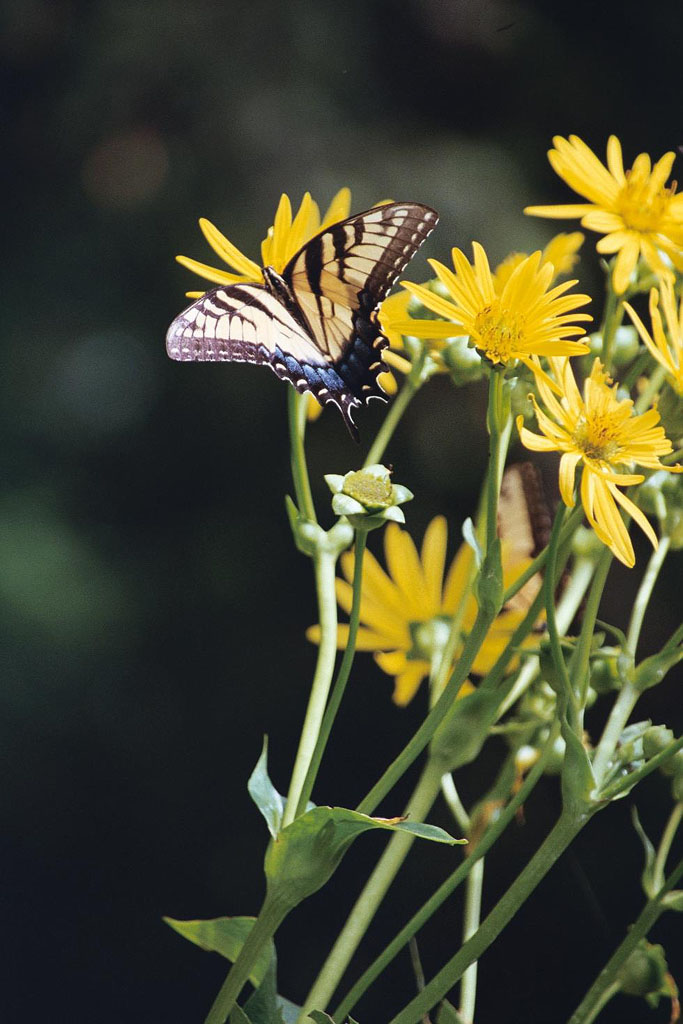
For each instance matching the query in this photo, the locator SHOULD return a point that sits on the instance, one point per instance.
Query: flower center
(594, 436)
(499, 332)
(641, 208)
(371, 490)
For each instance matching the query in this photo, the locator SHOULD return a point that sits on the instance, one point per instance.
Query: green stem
(411, 386)
(266, 924)
(665, 843)
(579, 580)
(573, 520)
(627, 782)
(644, 594)
(371, 896)
(491, 835)
(324, 565)
(614, 312)
(607, 979)
(496, 422)
(296, 415)
(565, 830)
(454, 803)
(551, 617)
(618, 717)
(473, 893)
(657, 378)
(580, 673)
(342, 676)
(431, 723)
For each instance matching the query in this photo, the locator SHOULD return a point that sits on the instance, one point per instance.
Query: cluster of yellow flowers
(517, 313)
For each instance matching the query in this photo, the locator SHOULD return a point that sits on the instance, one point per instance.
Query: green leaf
(225, 935)
(306, 853)
(463, 731)
(264, 794)
(324, 1018)
(470, 537)
(262, 1007)
(289, 1010)
(647, 877)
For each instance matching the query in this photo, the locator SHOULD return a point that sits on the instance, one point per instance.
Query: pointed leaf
(470, 537)
(306, 853)
(324, 1018)
(289, 1010)
(225, 935)
(647, 877)
(264, 794)
(262, 1007)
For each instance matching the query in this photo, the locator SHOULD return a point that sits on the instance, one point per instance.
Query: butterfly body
(315, 324)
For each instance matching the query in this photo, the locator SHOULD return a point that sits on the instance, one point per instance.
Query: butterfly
(316, 323)
(524, 524)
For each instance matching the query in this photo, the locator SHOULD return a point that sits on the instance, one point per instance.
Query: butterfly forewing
(353, 265)
(318, 329)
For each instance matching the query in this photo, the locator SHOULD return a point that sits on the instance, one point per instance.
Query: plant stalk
(342, 676)
(606, 981)
(370, 898)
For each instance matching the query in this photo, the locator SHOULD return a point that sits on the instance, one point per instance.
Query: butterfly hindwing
(245, 323)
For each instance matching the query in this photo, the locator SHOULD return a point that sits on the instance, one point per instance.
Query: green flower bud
(586, 544)
(662, 495)
(656, 739)
(555, 761)
(677, 788)
(367, 497)
(604, 671)
(644, 972)
(674, 766)
(463, 361)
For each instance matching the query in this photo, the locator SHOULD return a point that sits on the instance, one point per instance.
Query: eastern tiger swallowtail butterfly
(315, 324)
(524, 524)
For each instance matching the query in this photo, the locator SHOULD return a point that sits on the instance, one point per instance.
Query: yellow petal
(229, 252)
(212, 273)
(434, 560)
(339, 208)
(625, 265)
(568, 464)
(408, 682)
(458, 579)
(404, 566)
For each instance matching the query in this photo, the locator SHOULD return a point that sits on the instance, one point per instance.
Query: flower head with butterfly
(310, 312)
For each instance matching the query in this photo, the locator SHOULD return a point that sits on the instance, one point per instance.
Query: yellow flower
(283, 240)
(668, 353)
(521, 319)
(396, 323)
(633, 209)
(599, 431)
(561, 251)
(406, 614)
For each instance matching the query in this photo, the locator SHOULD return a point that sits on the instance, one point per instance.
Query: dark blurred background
(152, 607)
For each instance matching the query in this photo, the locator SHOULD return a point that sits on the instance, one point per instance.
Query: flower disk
(524, 317)
(634, 210)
